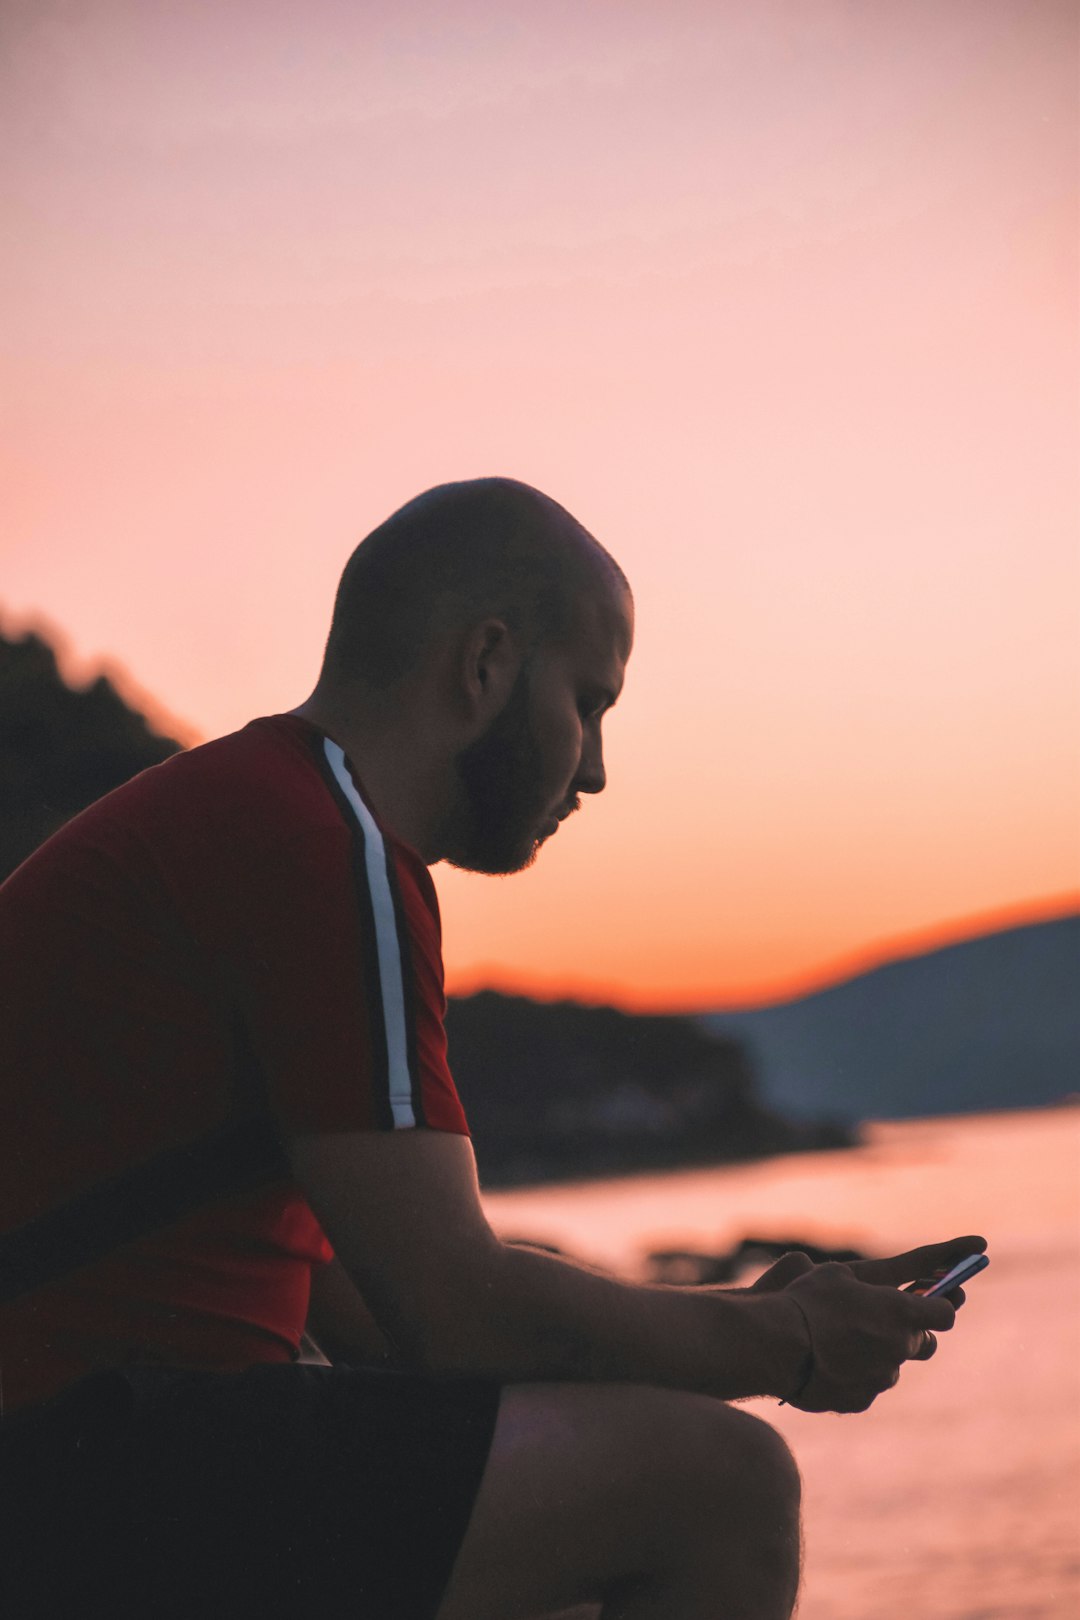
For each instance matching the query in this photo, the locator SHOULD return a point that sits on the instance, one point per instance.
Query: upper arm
(339, 982)
(402, 1211)
(341, 988)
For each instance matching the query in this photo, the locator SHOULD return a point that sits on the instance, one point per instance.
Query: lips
(552, 824)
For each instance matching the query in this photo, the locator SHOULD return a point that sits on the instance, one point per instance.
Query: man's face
(544, 748)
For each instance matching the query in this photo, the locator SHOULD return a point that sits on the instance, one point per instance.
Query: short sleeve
(338, 966)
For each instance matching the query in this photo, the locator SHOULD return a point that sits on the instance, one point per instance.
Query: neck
(406, 781)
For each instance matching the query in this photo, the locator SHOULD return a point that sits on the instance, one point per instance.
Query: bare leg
(650, 1504)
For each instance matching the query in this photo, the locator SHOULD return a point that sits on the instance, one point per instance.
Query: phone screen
(960, 1273)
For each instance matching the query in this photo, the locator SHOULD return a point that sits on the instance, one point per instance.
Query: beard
(496, 828)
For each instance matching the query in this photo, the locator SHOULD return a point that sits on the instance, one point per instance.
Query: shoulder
(271, 774)
(386, 864)
(223, 806)
(254, 789)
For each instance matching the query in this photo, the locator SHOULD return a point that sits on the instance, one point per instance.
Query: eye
(594, 703)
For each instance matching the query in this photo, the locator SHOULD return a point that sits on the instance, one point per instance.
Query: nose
(591, 776)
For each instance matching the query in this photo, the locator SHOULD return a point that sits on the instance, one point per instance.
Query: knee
(750, 1475)
(730, 1506)
(771, 1472)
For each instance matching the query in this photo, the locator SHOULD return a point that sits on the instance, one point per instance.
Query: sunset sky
(779, 298)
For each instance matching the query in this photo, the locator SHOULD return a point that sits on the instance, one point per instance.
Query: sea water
(957, 1496)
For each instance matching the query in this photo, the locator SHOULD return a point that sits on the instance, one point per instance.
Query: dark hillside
(565, 1090)
(60, 748)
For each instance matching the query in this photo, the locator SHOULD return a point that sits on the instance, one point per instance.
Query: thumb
(902, 1268)
(785, 1271)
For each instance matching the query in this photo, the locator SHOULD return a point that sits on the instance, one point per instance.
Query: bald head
(459, 553)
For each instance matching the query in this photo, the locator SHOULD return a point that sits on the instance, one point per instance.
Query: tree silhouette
(60, 748)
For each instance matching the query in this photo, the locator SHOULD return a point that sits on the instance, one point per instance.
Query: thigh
(331, 1491)
(591, 1486)
(277, 1492)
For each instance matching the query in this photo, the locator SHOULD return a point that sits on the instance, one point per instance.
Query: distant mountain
(993, 1022)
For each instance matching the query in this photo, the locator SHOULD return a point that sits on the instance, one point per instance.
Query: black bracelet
(811, 1364)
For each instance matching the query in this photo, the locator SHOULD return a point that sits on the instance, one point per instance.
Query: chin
(494, 862)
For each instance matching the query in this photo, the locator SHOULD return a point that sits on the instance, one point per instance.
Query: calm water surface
(957, 1496)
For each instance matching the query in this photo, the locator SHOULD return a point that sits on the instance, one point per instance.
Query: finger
(924, 1347)
(786, 1269)
(921, 1262)
(936, 1313)
(922, 1286)
(902, 1268)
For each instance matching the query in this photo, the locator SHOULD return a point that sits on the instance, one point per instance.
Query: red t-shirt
(247, 881)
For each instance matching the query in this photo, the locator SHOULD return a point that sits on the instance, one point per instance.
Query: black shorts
(279, 1491)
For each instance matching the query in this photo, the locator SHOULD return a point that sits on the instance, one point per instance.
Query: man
(227, 1110)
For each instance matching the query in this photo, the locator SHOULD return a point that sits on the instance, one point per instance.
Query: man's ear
(489, 666)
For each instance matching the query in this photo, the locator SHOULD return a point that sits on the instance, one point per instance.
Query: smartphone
(952, 1279)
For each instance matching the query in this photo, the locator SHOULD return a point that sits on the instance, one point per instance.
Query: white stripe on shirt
(387, 944)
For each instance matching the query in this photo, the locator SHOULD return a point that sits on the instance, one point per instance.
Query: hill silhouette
(991, 1022)
(60, 747)
(555, 1090)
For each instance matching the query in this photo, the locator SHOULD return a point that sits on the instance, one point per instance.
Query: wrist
(809, 1364)
(787, 1350)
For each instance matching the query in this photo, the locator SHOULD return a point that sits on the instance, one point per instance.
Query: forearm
(528, 1316)
(404, 1215)
(340, 1322)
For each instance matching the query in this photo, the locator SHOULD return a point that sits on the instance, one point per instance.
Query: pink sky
(779, 299)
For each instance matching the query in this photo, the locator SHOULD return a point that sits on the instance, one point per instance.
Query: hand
(915, 1265)
(859, 1327)
(933, 1259)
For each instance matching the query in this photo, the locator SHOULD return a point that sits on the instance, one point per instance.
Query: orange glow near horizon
(677, 990)
(778, 299)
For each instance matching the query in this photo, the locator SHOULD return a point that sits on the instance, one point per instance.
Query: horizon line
(838, 970)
